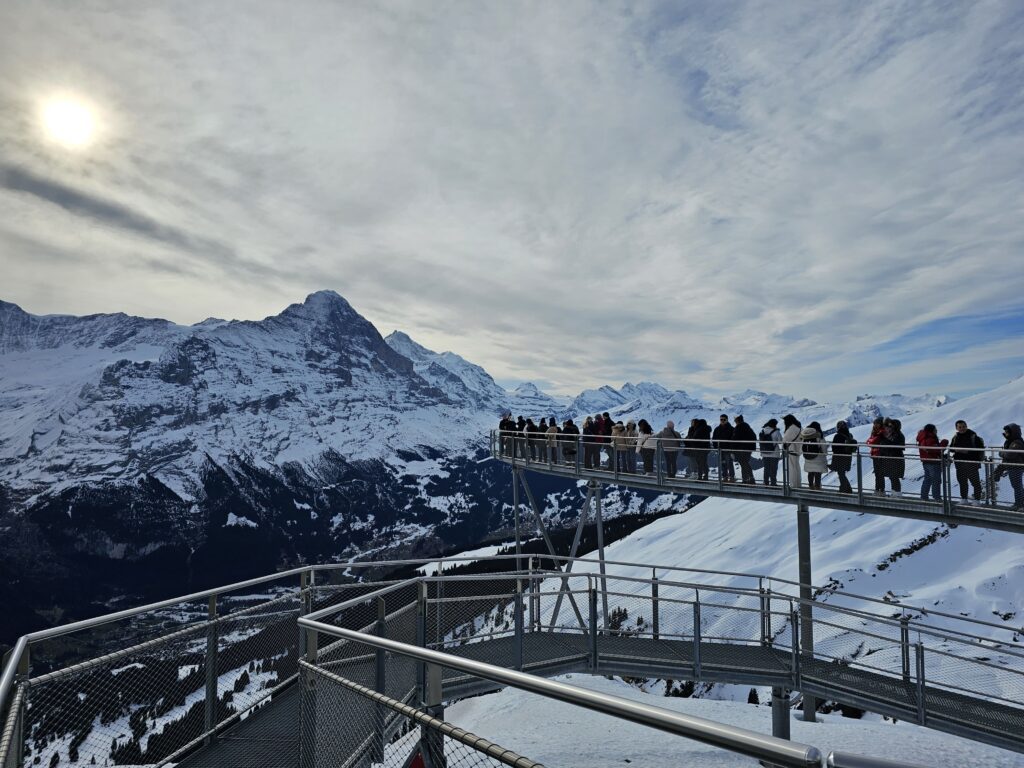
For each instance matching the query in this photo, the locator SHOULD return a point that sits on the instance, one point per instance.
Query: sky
(817, 199)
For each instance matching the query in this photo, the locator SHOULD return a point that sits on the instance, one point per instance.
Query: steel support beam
(803, 528)
(599, 520)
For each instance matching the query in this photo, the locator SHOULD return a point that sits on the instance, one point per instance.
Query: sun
(69, 122)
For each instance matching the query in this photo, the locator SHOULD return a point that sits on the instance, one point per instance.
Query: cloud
(714, 196)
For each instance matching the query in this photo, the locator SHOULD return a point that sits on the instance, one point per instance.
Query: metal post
(766, 617)
(305, 604)
(307, 705)
(518, 606)
(794, 622)
(860, 477)
(721, 481)
(530, 599)
(421, 639)
(579, 446)
(947, 484)
(659, 456)
(919, 659)
(18, 738)
(432, 739)
(210, 709)
(655, 627)
(599, 520)
(515, 508)
(696, 636)
(785, 470)
(593, 628)
(803, 524)
(380, 685)
(780, 713)
(905, 647)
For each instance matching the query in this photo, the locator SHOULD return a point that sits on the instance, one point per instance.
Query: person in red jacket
(929, 447)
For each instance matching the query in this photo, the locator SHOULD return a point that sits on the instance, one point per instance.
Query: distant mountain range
(138, 454)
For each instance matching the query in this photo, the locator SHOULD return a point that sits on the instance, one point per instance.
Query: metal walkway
(986, 513)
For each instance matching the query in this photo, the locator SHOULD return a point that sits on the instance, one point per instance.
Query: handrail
(847, 760)
(735, 739)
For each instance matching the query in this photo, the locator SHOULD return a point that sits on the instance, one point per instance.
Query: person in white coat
(814, 452)
(791, 444)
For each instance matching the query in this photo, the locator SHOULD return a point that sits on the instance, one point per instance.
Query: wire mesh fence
(344, 722)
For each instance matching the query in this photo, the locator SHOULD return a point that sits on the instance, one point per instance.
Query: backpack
(810, 450)
(765, 444)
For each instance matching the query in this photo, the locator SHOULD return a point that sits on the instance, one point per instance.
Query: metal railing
(150, 684)
(980, 486)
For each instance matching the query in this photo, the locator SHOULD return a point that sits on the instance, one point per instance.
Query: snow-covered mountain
(138, 451)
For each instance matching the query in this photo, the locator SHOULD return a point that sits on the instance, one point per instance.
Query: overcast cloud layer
(811, 198)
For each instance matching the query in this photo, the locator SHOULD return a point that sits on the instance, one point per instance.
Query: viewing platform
(338, 665)
(568, 458)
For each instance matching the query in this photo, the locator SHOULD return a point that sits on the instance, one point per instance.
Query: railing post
(947, 484)
(515, 504)
(905, 647)
(803, 525)
(422, 595)
(780, 713)
(696, 636)
(919, 659)
(655, 621)
(721, 480)
(785, 470)
(530, 597)
(794, 620)
(659, 457)
(579, 450)
(766, 616)
(210, 709)
(307, 704)
(860, 477)
(433, 739)
(380, 684)
(592, 595)
(518, 604)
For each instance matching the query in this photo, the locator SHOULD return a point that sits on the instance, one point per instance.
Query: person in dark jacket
(892, 461)
(532, 435)
(843, 447)
(879, 441)
(769, 445)
(606, 438)
(746, 444)
(929, 448)
(521, 438)
(570, 439)
(505, 429)
(1012, 463)
(690, 467)
(723, 442)
(591, 446)
(702, 448)
(967, 450)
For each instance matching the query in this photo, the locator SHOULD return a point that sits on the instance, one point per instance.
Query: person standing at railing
(843, 447)
(722, 436)
(967, 449)
(702, 440)
(629, 437)
(505, 428)
(812, 446)
(769, 445)
(619, 446)
(570, 440)
(890, 463)
(1012, 463)
(606, 425)
(929, 447)
(591, 449)
(520, 438)
(743, 447)
(671, 441)
(531, 430)
(646, 443)
(791, 446)
(552, 440)
(877, 440)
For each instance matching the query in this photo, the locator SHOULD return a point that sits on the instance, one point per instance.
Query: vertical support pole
(860, 477)
(780, 713)
(696, 636)
(531, 581)
(659, 458)
(579, 448)
(794, 623)
(305, 604)
(655, 622)
(766, 617)
(18, 743)
(721, 480)
(433, 740)
(515, 509)
(785, 470)
(600, 549)
(421, 640)
(919, 659)
(905, 647)
(307, 704)
(803, 524)
(439, 589)
(947, 484)
(592, 594)
(380, 685)
(518, 619)
(210, 710)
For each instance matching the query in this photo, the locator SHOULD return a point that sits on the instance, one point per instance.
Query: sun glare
(69, 122)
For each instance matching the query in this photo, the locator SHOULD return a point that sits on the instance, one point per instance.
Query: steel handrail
(847, 760)
(735, 739)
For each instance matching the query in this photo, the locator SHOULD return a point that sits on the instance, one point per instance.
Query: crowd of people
(729, 445)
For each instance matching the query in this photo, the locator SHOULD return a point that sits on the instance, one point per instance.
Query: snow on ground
(557, 734)
(463, 558)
